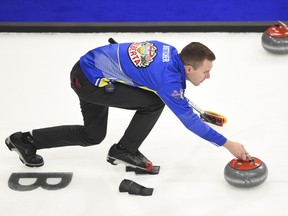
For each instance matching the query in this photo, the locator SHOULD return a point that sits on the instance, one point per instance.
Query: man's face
(196, 77)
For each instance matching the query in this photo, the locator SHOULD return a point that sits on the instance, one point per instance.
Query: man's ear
(188, 69)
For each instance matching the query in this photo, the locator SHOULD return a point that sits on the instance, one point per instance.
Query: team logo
(142, 54)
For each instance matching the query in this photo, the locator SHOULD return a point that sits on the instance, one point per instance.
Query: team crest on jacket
(142, 53)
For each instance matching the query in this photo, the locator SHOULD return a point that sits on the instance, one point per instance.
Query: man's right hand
(237, 150)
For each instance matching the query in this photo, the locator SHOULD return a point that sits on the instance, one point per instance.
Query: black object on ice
(134, 188)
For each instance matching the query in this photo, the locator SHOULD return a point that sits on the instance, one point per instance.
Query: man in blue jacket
(141, 76)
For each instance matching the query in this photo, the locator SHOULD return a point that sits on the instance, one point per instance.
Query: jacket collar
(182, 71)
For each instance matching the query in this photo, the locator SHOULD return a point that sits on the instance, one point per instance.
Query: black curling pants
(95, 103)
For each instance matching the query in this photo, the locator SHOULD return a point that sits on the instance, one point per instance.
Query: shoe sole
(115, 161)
(12, 147)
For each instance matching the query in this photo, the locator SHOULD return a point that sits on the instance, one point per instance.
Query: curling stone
(275, 38)
(246, 174)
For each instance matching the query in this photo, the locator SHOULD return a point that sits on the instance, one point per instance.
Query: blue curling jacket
(151, 65)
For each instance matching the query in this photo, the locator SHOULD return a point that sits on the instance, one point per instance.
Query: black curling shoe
(137, 160)
(27, 152)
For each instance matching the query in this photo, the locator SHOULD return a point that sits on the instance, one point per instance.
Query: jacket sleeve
(173, 96)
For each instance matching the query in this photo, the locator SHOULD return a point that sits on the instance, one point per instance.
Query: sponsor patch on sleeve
(178, 94)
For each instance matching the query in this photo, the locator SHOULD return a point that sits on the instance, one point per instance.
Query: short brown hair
(195, 53)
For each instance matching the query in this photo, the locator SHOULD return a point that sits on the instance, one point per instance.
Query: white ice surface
(248, 85)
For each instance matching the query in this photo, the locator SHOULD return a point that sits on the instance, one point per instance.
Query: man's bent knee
(92, 140)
